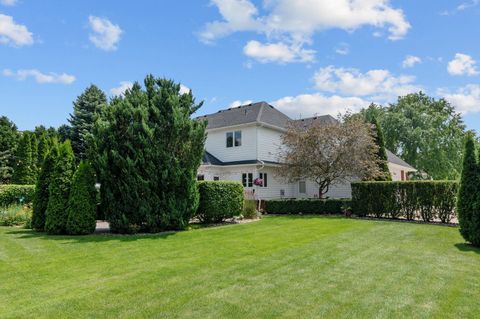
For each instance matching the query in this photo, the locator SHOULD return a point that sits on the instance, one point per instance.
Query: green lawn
(290, 267)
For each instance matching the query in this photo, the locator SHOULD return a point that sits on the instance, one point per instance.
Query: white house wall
(269, 142)
(217, 146)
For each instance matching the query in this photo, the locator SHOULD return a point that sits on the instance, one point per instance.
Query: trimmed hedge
(16, 194)
(219, 200)
(306, 206)
(427, 200)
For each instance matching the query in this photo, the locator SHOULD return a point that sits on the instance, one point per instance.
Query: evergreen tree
(59, 190)
(149, 153)
(82, 201)
(42, 149)
(86, 110)
(469, 188)
(34, 150)
(9, 138)
(5, 169)
(64, 133)
(24, 171)
(40, 200)
(382, 152)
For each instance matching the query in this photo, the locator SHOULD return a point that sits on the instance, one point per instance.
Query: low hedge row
(219, 200)
(306, 206)
(426, 200)
(16, 194)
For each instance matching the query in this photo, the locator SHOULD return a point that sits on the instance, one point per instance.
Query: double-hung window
(264, 178)
(247, 179)
(302, 187)
(234, 139)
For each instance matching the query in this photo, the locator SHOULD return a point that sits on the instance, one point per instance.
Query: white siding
(234, 173)
(217, 146)
(269, 142)
(396, 171)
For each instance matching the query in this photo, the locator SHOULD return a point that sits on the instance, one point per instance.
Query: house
(242, 145)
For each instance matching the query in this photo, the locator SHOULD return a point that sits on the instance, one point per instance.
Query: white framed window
(247, 179)
(238, 138)
(302, 187)
(233, 139)
(264, 178)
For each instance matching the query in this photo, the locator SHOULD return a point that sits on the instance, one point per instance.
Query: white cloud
(465, 99)
(40, 77)
(184, 89)
(306, 105)
(120, 90)
(106, 35)
(342, 49)
(410, 61)
(238, 15)
(12, 33)
(294, 22)
(278, 52)
(379, 83)
(238, 103)
(462, 64)
(8, 3)
(467, 5)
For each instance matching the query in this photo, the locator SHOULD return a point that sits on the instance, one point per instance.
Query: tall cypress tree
(24, 171)
(40, 200)
(86, 110)
(59, 190)
(382, 152)
(82, 202)
(9, 139)
(149, 153)
(469, 188)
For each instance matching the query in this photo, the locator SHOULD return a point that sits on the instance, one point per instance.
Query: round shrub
(219, 200)
(81, 204)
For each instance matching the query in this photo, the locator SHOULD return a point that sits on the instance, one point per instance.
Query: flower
(258, 181)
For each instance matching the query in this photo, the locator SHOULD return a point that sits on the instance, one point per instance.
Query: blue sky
(305, 57)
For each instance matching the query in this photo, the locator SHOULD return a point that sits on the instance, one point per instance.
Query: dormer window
(234, 139)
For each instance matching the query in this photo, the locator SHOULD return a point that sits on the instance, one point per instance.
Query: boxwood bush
(427, 200)
(306, 206)
(16, 194)
(219, 200)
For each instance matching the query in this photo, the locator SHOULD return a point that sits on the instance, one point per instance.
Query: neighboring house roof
(209, 159)
(324, 119)
(260, 112)
(392, 158)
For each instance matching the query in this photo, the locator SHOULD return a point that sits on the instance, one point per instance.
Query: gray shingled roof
(324, 119)
(260, 112)
(392, 158)
(209, 159)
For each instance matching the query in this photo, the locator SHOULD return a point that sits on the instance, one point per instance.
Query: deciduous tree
(328, 153)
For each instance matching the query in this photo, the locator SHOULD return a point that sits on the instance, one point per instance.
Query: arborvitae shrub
(469, 188)
(59, 190)
(427, 200)
(219, 200)
(82, 202)
(40, 201)
(24, 171)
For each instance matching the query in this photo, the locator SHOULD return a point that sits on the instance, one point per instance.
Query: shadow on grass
(98, 237)
(467, 248)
